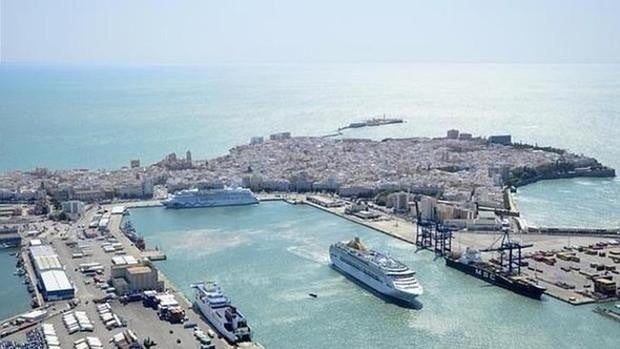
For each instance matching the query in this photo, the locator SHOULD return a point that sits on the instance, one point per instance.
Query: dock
(30, 274)
(547, 275)
(153, 255)
(387, 224)
(602, 232)
(141, 204)
(142, 321)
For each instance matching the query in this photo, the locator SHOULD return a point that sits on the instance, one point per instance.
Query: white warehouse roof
(118, 209)
(55, 280)
(47, 262)
(124, 260)
(42, 250)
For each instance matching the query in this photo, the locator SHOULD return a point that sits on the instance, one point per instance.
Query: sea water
(14, 297)
(103, 116)
(270, 256)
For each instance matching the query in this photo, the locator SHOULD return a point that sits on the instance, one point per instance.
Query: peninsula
(457, 167)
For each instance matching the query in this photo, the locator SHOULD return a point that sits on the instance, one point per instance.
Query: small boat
(313, 295)
(609, 313)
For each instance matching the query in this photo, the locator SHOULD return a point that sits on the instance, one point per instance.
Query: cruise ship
(379, 272)
(210, 198)
(216, 307)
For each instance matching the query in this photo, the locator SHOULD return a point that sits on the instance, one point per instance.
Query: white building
(73, 208)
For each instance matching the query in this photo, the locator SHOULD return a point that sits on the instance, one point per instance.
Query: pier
(387, 224)
(142, 321)
(550, 244)
(602, 232)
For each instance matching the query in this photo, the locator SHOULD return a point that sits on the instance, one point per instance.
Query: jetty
(378, 121)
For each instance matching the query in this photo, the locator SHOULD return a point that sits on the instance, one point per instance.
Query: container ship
(216, 307)
(210, 198)
(506, 273)
(379, 272)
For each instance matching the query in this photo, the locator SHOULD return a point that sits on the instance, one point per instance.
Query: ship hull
(530, 291)
(376, 287)
(176, 205)
(213, 319)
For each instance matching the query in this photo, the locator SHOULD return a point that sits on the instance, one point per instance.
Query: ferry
(377, 271)
(216, 307)
(210, 198)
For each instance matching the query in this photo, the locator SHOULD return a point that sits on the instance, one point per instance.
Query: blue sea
(14, 297)
(268, 257)
(103, 116)
(61, 117)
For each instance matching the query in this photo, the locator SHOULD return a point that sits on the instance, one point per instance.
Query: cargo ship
(381, 273)
(210, 198)
(217, 308)
(471, 263)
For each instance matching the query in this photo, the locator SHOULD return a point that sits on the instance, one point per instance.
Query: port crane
(510, 252)
(431, 235)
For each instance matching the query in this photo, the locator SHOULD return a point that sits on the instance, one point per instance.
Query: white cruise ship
(210, 198)
(381, 273)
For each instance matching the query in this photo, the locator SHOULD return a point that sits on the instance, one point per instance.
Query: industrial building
(501, 139)
(118, 210)
(453, 134)
(131, 277)
(73, 208)
(256, 140)
(9, 236)
(322, 201)
(51, 277)
(605, 286)
(280, 136)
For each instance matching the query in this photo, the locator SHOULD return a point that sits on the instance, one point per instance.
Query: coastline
(398, 228)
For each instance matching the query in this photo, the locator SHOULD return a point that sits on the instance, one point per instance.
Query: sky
(237, 31)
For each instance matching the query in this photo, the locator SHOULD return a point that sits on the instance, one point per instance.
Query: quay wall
(604, 232)
(335, 212)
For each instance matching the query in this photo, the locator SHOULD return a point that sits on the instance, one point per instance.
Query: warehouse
(55, 285)
(129, 278)
(52, 279)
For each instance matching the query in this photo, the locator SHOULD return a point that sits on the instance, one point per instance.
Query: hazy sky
(182, 32)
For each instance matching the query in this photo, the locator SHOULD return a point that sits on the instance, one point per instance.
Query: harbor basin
(269, 257)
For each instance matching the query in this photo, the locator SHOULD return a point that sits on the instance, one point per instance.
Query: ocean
(103, 116)
(268, 257)
(95, 117)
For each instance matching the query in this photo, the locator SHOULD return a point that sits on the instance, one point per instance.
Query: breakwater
(607, 232)
(522, 176)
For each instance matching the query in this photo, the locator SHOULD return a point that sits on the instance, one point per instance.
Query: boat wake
(211, 242)
(309, 254)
